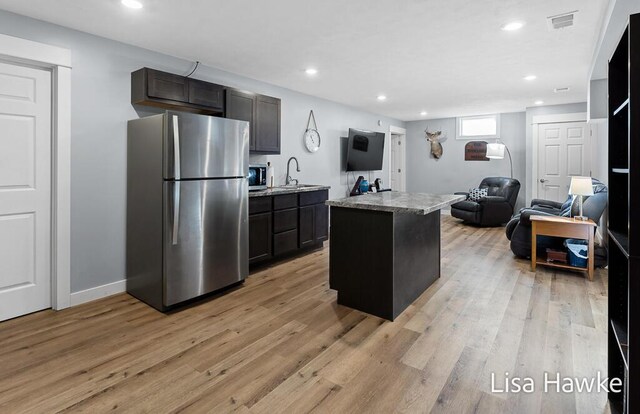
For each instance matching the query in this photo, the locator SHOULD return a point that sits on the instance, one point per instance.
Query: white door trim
(397, 130)
(557, 118)
(394, 130)
(58, 60)
(548, 119)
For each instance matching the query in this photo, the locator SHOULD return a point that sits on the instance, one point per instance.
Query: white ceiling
(447, 57)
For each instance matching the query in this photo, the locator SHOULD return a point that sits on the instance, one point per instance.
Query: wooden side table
(562, 227)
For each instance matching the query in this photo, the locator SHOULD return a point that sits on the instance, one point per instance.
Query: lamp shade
(495, 151)
(582, 186)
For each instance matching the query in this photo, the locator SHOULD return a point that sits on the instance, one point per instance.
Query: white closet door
(25, 190)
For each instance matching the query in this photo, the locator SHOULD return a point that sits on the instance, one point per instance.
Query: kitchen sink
(298, 186)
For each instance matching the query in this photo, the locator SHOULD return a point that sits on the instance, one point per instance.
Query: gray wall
(544, 110)
(598, 99)
(451, 172)
(99, 110)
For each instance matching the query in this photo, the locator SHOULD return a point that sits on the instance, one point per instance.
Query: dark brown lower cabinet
(306, 227)
(260, 237)
(314, 224)
(285, 242)
(284, 224)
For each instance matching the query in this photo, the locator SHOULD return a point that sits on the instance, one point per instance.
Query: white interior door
(563, 152)
(25, 190)
(397, 176)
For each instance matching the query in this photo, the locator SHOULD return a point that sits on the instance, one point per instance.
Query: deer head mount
(435, 139)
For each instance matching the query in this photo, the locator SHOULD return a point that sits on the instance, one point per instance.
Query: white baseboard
(98, 292)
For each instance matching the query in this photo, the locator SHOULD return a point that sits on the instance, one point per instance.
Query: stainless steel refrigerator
(187, 206)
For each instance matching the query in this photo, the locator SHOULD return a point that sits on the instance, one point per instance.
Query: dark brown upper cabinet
(267, 124)
(152, 87)
(166, 90)
(206, 94)
(241, 106)
(263, 112)
(162, 85)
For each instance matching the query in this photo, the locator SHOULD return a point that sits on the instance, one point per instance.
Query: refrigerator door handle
(176, 213)
(176, 148)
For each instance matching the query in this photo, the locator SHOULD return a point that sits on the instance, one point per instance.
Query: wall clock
(311, 135)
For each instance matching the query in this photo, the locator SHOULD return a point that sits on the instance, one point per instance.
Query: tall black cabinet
(624, 218)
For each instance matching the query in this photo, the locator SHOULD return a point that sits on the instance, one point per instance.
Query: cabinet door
(285, 242)
(259, 237)
(321, 223)
(164, 85)
(306, 226)
(206, 94)
(240, 106)
(267, 124)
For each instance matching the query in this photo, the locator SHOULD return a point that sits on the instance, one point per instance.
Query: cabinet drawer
(282, 202)
(313, 197)
(284, 220)
(259, 205)
(285, 242)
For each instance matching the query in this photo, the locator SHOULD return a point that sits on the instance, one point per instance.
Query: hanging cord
(315, 125)
(194, 69)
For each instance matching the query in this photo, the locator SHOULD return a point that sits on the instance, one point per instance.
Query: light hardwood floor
(282, 344)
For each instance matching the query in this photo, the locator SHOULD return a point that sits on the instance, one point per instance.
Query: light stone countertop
(398, 202)
(301, 188)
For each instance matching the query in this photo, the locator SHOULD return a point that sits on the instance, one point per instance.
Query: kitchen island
(385, 249)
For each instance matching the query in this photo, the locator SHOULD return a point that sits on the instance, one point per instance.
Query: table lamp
(495, 151)
(581, 186)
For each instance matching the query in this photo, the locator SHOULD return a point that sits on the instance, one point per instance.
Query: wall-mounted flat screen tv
(365, 150)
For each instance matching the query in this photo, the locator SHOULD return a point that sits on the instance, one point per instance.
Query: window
(474, 127)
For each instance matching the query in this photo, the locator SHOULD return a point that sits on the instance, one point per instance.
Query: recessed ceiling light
(382, 98)
(311, 71)
(538, 102)
(132, 4)
(511, 26)
(530, 77)
(423, 113)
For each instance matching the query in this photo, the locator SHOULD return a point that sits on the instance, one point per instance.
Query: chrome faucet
(289, 179)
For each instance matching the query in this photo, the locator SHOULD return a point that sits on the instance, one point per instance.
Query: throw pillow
(475, 194)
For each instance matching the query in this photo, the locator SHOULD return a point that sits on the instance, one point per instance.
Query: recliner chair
(493, 210)
(518, 229)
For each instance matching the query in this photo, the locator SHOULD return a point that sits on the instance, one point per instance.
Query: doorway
(35, 137)
(563, 150)
(398, 157)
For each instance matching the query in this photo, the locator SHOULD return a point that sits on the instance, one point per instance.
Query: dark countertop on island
(398, 202)
(301, 188)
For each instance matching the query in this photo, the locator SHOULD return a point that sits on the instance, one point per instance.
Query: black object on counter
(356, 188)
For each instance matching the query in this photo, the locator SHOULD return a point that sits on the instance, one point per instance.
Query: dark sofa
(518, 229)
(493, 210)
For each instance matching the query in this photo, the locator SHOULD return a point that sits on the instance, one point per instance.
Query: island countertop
(398, 202)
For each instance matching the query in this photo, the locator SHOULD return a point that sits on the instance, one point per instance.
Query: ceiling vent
(560, 21)
(560, 90)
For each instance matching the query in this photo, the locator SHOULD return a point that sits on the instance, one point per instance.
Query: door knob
(542, 180)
